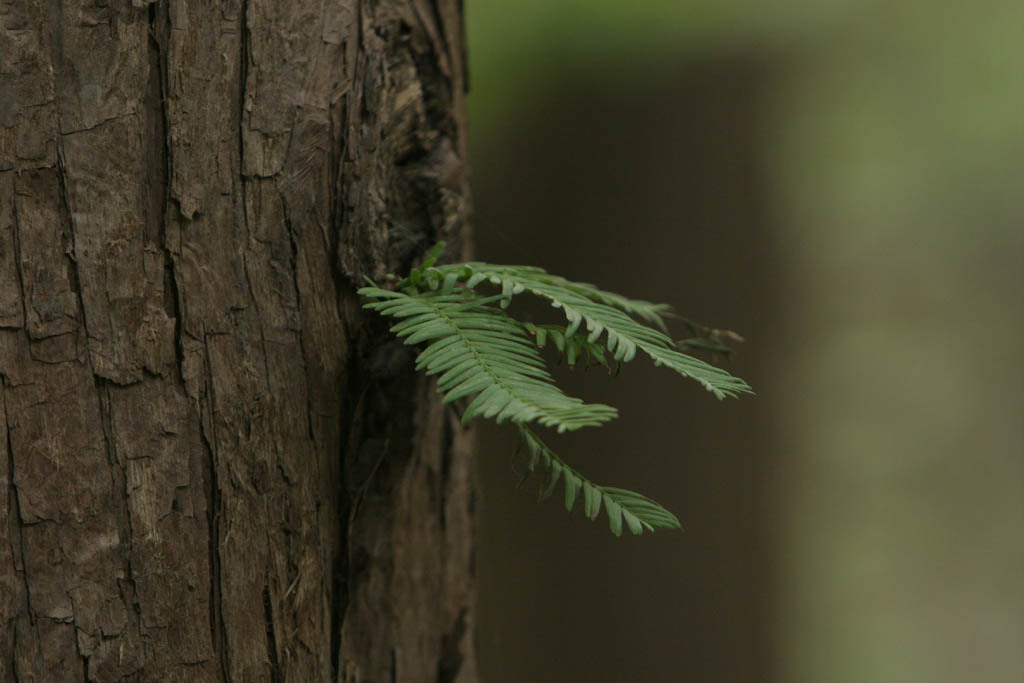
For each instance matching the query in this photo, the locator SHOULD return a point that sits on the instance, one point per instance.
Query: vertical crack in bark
(13, 521)
(14, 518)
(243, 78)
(340, 559)
(119, 474)
(268, 614)
(335, 195)
(293, 241)
(158, 24)
(16, 244)
(56, 64)
(173, 294)
(14, 528)
(74, 281)
(213, 502)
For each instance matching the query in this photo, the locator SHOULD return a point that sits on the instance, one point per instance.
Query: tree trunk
(215, 465)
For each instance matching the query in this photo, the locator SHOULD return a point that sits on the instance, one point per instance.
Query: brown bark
(215, 465)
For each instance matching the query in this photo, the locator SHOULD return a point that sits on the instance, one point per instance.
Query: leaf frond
(478, 351)
(483, 355)
(636, 511)
(600, 314)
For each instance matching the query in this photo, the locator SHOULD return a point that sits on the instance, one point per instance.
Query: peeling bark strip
(209, 469)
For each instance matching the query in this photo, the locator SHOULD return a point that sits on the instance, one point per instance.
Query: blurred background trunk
(653, 190)
(215, 466)
(840, 183)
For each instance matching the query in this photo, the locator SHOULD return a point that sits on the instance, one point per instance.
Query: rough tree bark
(214, 466)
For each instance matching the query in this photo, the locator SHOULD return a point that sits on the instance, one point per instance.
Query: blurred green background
(843, 183)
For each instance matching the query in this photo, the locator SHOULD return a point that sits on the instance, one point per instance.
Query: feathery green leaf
(637, 511)
(480, 351)
(602, 313)
(482, 354)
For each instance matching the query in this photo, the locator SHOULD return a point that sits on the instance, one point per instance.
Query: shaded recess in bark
(213, 467)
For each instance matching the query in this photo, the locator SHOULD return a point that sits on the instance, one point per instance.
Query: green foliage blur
(890, 158)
